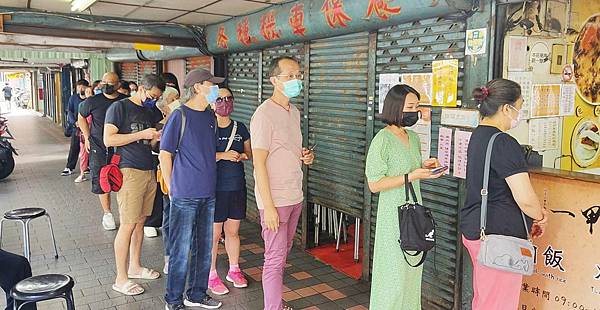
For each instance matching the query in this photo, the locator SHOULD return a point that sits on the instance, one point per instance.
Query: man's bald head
(110, 78)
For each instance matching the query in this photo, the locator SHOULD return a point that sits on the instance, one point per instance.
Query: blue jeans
(165, 223)
(190, 231)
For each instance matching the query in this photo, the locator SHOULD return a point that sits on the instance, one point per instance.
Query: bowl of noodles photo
(586, 63)
(585, 142)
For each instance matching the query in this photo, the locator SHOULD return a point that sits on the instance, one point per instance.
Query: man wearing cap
(191, 177)
(130, 126)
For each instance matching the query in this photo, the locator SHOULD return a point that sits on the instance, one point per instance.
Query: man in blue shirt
(72, 112)
(191, 179)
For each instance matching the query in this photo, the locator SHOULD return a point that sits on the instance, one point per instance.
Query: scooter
(7, 161)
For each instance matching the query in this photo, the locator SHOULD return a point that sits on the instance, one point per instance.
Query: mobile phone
(312, 148)
(439, 170)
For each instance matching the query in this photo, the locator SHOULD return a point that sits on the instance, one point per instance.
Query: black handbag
(417, 226)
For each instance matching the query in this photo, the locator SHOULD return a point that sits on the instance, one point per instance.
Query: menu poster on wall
(423, 83)
(460, 117)
(386, 82)
(525, 79)
(461, 144)
(423, 129)
(517, 53)
(544, 133)
(445, 82)
(545, 100)
(445, 147)
(567, 99)
(567, 260)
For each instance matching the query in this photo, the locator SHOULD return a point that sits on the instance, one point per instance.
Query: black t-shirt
(503, 216)
(129, 117)
(230, 175)
(96, 106)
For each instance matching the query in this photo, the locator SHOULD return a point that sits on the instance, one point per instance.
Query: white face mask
(514, 123)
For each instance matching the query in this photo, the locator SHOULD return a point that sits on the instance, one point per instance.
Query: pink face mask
(224, 106)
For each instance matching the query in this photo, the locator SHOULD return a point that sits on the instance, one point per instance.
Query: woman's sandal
(129, 288)
(147, 274)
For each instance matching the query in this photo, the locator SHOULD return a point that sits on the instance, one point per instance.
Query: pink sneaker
(237, 278)
(217, 287)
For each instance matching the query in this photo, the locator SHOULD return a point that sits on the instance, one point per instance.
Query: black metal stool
(44, 287)
(24, 216)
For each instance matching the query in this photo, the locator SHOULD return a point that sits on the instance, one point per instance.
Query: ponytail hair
(495, 94)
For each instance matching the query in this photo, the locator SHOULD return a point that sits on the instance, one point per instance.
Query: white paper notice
(445, 147)
(461, 144)
(517, 53)
(544, 133)
(525, 79)
(567, 99)
(386, 81)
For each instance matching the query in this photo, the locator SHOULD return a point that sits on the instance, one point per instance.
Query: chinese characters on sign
(335, 14)
(461, 144)
(243, 33)
(297, 19)
(267, 26)
(382, 9)
(445, 82)
(222, 38)
(445, 147)
(552, 258)
(476, 41)
(591, 215)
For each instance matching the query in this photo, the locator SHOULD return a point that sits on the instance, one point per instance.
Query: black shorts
(230, 205)
(98, 159)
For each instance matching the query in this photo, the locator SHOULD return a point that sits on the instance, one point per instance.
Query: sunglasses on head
(227, 98)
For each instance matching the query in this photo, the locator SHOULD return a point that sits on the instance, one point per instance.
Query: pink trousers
(277, 246)
(492, 289)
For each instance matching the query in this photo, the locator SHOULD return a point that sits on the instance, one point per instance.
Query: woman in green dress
(394, 152)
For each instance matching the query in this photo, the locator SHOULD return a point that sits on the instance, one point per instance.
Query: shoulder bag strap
(232, 136)
(409, 187)
(486, 181)
(182, 130)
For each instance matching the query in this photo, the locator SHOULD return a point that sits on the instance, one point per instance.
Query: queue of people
(200, 193)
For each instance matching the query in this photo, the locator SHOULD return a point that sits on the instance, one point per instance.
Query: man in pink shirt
(278, 158)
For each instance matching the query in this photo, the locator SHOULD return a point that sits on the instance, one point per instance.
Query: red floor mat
(342, 261)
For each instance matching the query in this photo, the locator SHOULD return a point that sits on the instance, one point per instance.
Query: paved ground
(86, 250)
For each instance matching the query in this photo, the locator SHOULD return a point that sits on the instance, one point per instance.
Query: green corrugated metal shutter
(202, 62)
(244, 73)
(410, 48)
(337, 121)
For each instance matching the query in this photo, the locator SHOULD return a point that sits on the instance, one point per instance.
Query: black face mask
(109, 89)
(82, 93)
(409, 119)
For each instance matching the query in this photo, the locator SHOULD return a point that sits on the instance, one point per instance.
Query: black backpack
(417, 226)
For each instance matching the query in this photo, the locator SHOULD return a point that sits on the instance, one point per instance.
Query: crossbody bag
(502, 252)
(163, 185)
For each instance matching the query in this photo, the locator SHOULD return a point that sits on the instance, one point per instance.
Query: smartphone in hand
(439, 170)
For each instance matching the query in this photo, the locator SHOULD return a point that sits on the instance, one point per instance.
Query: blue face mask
(213, 94)
(292, 88)
(149, 102)
(97, 91)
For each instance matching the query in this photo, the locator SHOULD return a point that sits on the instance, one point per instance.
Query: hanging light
(81, 5)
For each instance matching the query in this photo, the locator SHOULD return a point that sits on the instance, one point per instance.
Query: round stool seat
(24, 213)
(42, 287)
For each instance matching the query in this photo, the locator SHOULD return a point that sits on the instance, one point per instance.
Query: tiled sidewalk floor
(86, 250)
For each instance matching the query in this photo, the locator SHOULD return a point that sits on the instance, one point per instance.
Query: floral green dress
(395, 285)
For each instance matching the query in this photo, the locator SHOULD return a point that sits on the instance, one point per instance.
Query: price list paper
(461, 144)
(445, 147)
(544, 133)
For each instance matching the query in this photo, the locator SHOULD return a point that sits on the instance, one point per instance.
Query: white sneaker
(166, 268)
(150, 232)
(81, 178)
(108, 222)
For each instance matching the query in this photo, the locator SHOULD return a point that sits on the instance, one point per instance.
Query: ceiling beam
(35, 40)
(94, 35)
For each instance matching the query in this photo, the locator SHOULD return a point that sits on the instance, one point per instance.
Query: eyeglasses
(221, 99)
(292, 76)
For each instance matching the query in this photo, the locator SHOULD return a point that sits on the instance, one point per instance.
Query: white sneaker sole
(188, 303)
(235, 284)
